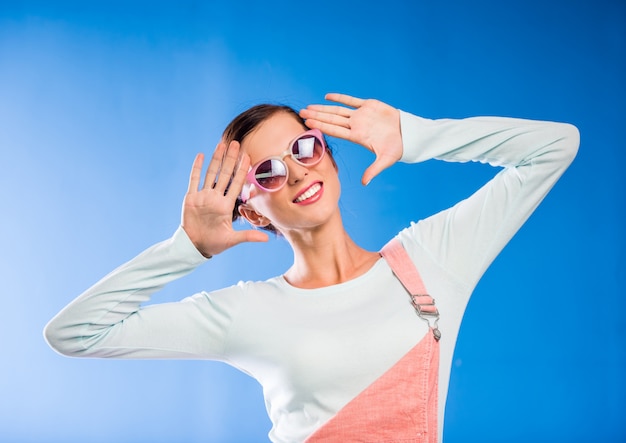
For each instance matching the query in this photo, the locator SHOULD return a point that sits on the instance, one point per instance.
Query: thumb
(251, 235)
(379, 165)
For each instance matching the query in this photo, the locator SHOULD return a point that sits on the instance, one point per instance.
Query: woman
(335, 335)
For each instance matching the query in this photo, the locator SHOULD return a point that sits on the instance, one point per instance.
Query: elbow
(570, 140)
(52, 337)
(55, 338)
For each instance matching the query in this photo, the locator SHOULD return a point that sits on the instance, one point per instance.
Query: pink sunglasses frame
(251, 179)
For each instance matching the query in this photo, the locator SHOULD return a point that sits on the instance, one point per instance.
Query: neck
(326, 256)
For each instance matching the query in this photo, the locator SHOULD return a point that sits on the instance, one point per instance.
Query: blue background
(103, 106)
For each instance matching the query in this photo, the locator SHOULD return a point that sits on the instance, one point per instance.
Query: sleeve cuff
(183, 247)
(411, 126)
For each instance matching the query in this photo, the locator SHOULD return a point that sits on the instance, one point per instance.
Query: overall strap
(404, 268)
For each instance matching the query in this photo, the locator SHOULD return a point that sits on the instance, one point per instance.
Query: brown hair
(246, 122)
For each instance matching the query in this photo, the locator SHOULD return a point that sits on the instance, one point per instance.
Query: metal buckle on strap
(425, 308)
(425, 305)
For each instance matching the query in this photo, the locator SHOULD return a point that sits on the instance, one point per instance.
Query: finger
(196, 172)
(379, 165)
(235, 238)
(251, 235)
(229, 163)
(214, 166)
(331, 109)
(326, 117)
(330, 129)
(345, 99)
(239, 178)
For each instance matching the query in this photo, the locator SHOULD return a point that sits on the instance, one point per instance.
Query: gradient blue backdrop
(103, 106)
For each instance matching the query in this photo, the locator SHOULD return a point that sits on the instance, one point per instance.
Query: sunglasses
(272, 173)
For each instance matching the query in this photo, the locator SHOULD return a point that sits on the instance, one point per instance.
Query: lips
(309, 195)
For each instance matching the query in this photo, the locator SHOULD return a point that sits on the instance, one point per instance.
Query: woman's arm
(466, 238)
(107, 320)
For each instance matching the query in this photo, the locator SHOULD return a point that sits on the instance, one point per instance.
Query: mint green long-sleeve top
(313, 350)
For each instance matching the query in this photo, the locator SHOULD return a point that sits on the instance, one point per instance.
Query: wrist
(191, 246)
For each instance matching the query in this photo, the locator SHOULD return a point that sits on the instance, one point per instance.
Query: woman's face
(311, 194)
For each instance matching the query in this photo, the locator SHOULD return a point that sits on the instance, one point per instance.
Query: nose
(297, 172)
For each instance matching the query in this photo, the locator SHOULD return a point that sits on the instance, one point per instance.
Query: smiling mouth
(314, 189)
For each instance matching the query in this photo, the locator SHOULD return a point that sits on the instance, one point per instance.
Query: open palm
(207, 209)
(370, 123)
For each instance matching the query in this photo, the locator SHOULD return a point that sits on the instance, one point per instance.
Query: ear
(253, 217)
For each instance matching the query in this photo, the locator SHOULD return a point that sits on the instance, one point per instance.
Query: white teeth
(309, 193)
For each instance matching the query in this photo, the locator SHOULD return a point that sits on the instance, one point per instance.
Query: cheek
(263, 202)
(332, 173)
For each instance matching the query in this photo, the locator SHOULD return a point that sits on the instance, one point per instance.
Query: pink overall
(401, 405)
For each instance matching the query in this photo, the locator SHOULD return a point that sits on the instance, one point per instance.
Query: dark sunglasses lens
(271, 174)
(307, 149)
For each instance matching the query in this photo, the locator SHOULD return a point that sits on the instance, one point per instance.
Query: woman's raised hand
(370, 123)
(208, 208)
